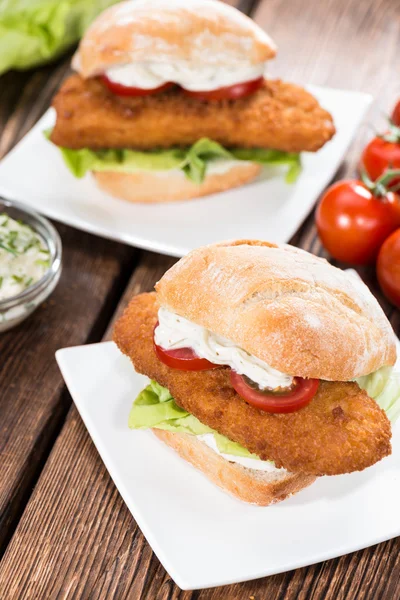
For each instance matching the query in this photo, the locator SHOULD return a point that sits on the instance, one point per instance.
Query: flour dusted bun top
(291, 309)
(190, 33)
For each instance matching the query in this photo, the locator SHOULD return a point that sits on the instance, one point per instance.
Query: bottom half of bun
(249, 485)
(171, 186)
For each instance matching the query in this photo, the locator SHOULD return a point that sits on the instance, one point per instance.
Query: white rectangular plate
(266, 209)
(202, 536)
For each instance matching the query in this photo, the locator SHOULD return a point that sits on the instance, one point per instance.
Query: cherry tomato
(231, 92)
(388, 268)
(353, 223)
(380, 155)
(298, 397)
(184, 359)
(396, 114)
(123, 90)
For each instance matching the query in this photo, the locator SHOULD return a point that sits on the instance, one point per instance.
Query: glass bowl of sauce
(30, 262)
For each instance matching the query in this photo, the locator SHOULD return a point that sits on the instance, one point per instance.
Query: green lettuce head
(33, 32)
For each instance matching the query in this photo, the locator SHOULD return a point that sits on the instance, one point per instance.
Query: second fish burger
(269, 368)
(169, 102)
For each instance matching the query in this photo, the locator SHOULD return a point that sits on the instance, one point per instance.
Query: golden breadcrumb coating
(279, 115)
(342, 430)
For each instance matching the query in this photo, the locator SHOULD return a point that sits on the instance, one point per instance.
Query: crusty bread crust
(171, 186)
(249, 485)
(196, 32)
(289, 308)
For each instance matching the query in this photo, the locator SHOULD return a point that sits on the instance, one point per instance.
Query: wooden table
(64, 530)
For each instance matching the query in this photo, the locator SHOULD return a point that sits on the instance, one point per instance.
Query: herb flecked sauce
(24, 257)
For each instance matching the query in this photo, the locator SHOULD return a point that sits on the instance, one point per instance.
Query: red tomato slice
(296, 398)
(184, 359)
(231, 92)
(124, 90)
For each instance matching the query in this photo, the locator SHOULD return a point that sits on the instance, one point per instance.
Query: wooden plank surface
(76, 538)
(76, 500)
(33, 403)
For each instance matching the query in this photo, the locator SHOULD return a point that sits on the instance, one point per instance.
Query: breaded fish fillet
(280, 115)
(340, 431)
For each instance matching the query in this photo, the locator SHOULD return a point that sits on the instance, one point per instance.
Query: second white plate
(266, 209)
(203, 536)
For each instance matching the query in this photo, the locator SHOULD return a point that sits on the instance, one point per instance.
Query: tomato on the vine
(355, 217)
(383, 151)
(388, 268)
(231, 92)
(295, 398)
(396, 114)
(380, 154)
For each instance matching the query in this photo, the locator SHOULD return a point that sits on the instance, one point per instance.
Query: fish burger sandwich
(169, 102)
(269, 368)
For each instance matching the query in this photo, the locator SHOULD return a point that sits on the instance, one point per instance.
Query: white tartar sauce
(175, 332)
(200, 78)
(250, 463)
(24, 257)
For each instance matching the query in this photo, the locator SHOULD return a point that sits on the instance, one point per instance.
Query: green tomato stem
(380, 187)
(393, 135)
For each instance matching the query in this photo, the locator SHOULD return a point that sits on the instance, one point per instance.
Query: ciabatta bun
(249, 485)
(290, 308)
(196, 32)
(171, 186)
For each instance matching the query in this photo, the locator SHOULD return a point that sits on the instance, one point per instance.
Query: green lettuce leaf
(193, 161)
(272, 157)
(80, 162)
(155, 407)
(35, 31)
(384, 387)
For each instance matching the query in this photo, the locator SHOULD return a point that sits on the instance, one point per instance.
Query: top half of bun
(289, 308)
(197, 32)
